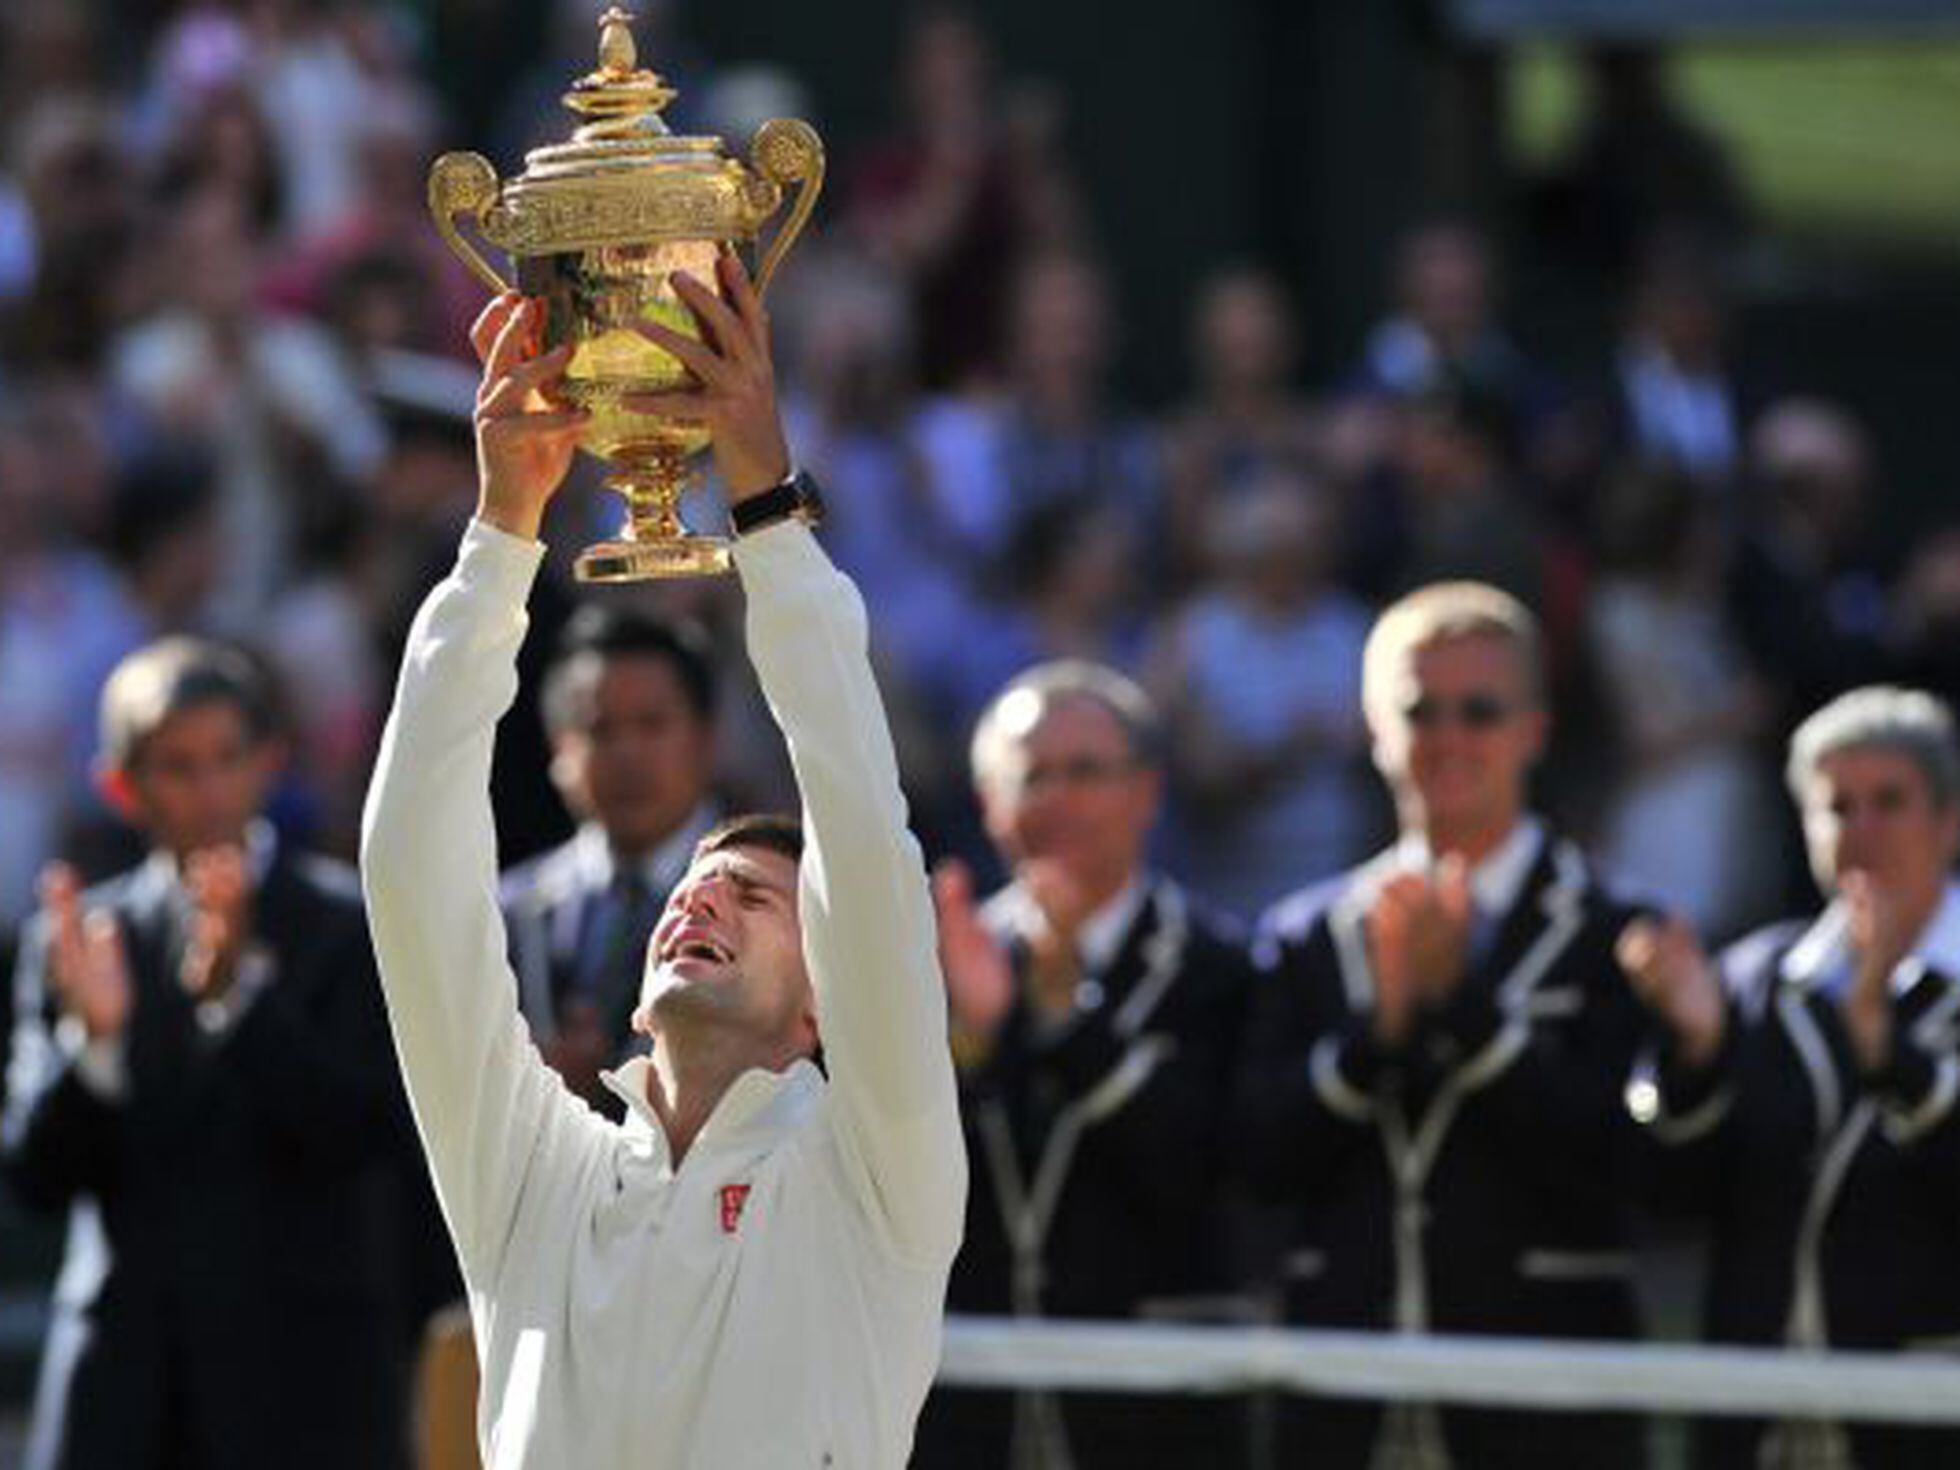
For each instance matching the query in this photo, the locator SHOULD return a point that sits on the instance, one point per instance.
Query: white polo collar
(758, 1104)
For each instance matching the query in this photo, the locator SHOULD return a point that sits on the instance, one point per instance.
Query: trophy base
(646, 561)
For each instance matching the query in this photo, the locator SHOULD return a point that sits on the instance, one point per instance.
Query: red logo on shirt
(733, 1197)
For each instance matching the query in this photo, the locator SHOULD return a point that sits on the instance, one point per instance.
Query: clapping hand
(1418, 930)
(87, 967)
(1881, 936)
(979, 978)
(219, 883)
(1671, 975)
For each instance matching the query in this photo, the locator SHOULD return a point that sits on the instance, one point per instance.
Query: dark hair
(604, 632)
(776, 832)
(165, 678)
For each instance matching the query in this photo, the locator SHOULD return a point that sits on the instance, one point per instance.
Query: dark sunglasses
(1473, 712)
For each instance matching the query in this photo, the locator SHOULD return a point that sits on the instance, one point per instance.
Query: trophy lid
(623, 179)
(622, 101)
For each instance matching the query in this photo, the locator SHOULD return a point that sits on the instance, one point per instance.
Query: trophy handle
(787, 151)
(465, 183)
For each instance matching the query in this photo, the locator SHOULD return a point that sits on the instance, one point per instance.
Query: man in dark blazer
(1805, 1101)
(1095, 1012)
(201, 1075)
(1437, 1056)
(629, 704)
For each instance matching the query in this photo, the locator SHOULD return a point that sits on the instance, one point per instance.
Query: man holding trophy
(750, 1270)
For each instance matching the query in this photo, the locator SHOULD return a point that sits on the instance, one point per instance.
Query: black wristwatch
(797, 498)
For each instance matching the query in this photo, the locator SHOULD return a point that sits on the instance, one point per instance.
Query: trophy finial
(620, 97)
(617, 53)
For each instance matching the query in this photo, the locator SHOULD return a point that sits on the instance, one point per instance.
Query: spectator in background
(1805, 1101)
(1677, 403)
(1435, 1063)
(1078, 595)
(1808, 580)
(1259, 678)
(269, 394)
(80, 232)
(384, 242)
(1463, 516)
(222, 142)
(323, 70)
(1445, 328)
(63, 625)
(941, 203)
(1095, 1013)
(1053, 437)
(202, 1077)
(163, 537)
(629, 702)
(1689, 821)
(1245, 420)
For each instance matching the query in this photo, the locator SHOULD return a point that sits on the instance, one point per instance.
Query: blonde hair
(1443, 612)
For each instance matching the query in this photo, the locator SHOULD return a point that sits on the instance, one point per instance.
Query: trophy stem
(654, 542)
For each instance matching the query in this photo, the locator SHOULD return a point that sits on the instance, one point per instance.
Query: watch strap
(796, 498)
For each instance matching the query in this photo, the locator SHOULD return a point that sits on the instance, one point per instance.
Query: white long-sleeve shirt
(775, 1302)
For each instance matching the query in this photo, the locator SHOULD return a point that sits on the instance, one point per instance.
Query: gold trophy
(595, 227)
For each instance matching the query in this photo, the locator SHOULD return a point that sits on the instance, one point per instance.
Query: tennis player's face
(1456, 735)
(1871, 810)
(728, 954)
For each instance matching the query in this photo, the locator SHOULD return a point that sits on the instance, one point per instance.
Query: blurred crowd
(235, 397)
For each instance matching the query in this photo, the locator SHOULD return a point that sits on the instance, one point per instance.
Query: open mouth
(696, 947)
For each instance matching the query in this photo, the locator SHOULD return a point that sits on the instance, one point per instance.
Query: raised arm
(868, 930)
(492, 1118)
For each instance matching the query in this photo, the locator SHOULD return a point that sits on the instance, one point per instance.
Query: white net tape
(1128, 1357)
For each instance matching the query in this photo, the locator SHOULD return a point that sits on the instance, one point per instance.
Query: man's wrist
(523, 522)
(746, 482)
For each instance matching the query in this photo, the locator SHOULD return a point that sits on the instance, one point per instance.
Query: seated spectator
(1436, 1060)
(629, 703)
(1095, 1012)
(1259, 676)
(202, 1078)
(1806, 1092)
